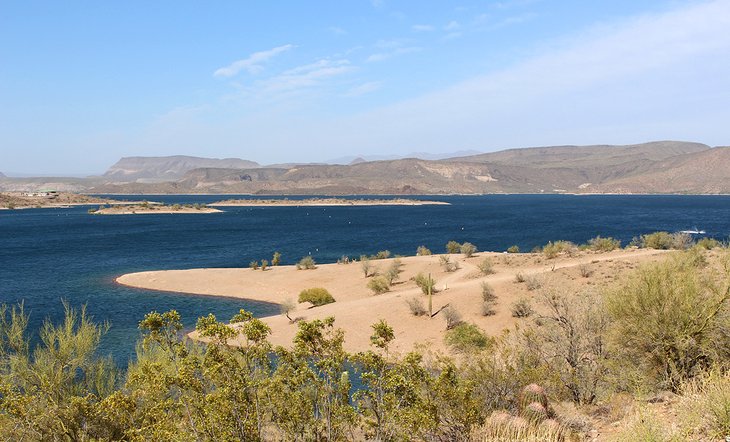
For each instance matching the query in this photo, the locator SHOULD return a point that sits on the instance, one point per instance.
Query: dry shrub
(705, 406)
(553, 249)
(533, 282)
(585, 270)
(451, 316)
(519, 277)
(423, 251)
(306, 263)
(448, 264)
(486, 266)
(379, 285)
(522, 308)
(416, 306)
(600, 244)
(468, 249)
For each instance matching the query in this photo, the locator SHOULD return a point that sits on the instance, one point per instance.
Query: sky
(84, 83)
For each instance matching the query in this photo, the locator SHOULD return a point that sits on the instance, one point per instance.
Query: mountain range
(654, 167)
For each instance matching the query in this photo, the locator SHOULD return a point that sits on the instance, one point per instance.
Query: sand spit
(324, 202)
(152, 208)
(356, 308)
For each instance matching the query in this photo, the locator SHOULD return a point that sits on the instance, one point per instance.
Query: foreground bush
(665, 241)
(465, 337)
(316, 296)
(670, 321)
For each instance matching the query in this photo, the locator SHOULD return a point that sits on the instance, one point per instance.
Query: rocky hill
(156, 169)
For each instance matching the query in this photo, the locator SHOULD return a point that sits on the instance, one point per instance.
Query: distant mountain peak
(168, 168)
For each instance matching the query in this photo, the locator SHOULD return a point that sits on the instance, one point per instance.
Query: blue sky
(84, 83)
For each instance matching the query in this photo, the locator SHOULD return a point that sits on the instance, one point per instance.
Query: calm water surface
(47, 255)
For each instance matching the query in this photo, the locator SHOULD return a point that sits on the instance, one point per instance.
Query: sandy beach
(356, 307)
(147, 209)
(325, 202)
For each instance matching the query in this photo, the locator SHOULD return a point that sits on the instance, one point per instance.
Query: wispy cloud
(306, 76)
(387, 49)
(337, 30)
(451, 26)
(363, 89)
(252, 64)
(423, 28)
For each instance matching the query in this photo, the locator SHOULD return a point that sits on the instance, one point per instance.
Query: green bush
(468, 249)
(705, 405)
(665, 241)
(254, 265)
(264, 264)
(513, 249)
(708, 243)
(466, 337)
(306, 263)
(379, 285)
(670, 321)
(423, 251)
(276, 259)
(600, 244)
(383, 254)
(316, 296)
(453, 247)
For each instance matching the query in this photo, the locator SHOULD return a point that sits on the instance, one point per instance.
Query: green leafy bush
(379, 285)
(600, 244)
(553, 249)
(423, 251)
(468, 249)
(425, 282)
(513, 249)
(453, 247)
(316, 296)
(466, 337)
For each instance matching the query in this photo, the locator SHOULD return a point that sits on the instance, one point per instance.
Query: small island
(146, 207)
(325, 202)
(43, 199)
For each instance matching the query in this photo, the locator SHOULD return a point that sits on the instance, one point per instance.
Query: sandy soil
(151, 209)
(356, 308)
(324, 202)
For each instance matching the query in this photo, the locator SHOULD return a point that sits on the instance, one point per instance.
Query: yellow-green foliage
(306, 263)
(513, 249)
(708, 243)
(553, 249)
(665, 241)
(644, 426)
(453, 247)
(423, 251)
(425, 282)
(379, 285)
(316, 296)
(468, 249)
(600, 244)
(466, 337)
(705, 405)
(670, 319)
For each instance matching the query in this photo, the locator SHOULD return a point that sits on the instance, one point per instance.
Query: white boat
(694, 231)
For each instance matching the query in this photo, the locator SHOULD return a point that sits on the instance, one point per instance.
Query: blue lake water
(47, 255)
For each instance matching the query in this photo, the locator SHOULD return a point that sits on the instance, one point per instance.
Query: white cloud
(337, 30)
(423, 28)
(381, 56)
(306, 76)
(453, 25)
(253, 63)
(363, 89)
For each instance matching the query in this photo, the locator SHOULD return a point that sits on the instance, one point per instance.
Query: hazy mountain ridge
(656, 167)
(168, 168)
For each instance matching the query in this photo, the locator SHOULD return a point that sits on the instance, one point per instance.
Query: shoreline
(356, 307)
(324, 202)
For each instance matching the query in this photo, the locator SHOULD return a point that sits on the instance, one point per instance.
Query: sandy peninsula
(52, 199)
(153, 208)
(324, 202)
(356, 307)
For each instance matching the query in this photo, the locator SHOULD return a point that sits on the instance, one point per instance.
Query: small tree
(287, 307)
(468, 249)
(426, 283)
(367, 266)
(264, 264)
(276, 259)
(393, 272)
(254, 265)
(453, 247)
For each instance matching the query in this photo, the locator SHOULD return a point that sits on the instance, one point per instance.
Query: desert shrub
(383, 254)
(379, 285)
(367, 266)
(451, 316)
(344, 259)
(423, 251)
(585, 270)
(416, 306)
(520, 277)
(670, 321)
(448, 264)
(645, 426)
(705, 405)
(425, 282)
(571, 338)
(513, 249)
(485, 266)
(468, 249)
(393, 272)
(665, 241)
(522, 308)
(600, 244)
(708, 243)
(286, 307)
(453, 247)
(254, 265)
(533, 282)
(466, 337)
(306, 263)
(487, 292)
(316, 296)
(553, 249)
(276, 259)
(264, 264)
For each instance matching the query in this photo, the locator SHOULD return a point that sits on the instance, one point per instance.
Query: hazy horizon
(83, 85)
